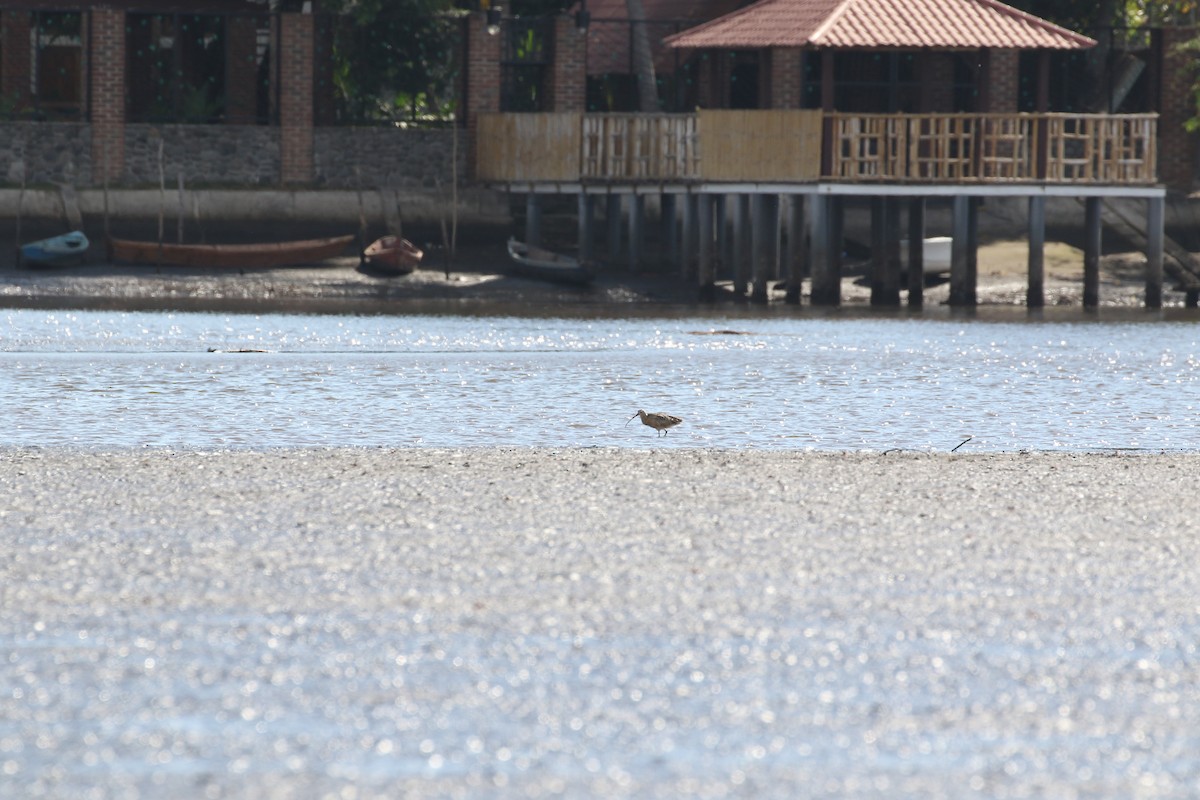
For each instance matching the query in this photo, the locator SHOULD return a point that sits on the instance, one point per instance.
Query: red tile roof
(938, 24)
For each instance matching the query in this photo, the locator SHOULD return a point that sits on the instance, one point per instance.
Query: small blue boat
(69, 248)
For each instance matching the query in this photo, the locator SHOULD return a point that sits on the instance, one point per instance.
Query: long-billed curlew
(658, 420)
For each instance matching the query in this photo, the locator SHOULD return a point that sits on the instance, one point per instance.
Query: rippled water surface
(111, 379)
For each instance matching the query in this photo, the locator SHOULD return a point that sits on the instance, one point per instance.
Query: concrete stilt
(706, 267)
(637, 229)
(916, 252)
(973, 249)
(1154, 252)
(826, 282)
(1035, 294)
(724, 240)
(533, 219)
(669, 229)
(962, 291)
(1092, 231)
(885, 284)
(741, 244)
(793, 259)
(688, 236)
(587, 245)
(612, 213)
(763, 227)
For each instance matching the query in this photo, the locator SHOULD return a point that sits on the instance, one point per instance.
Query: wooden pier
(765, 190)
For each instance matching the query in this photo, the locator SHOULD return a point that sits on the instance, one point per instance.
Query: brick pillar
(1176, 147)
(568, 81)
(14, 47)
(107, 76)
(482, 79)
(1003, 79)
(296, 98)
(241, 91)
(786, 77)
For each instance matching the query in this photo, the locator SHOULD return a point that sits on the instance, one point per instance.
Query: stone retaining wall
(390, 157)
(245, 156)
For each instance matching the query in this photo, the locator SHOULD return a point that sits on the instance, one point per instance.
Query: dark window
(525, 63)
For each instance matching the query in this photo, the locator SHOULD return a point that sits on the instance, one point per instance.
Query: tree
(643, 57)
(391, 57)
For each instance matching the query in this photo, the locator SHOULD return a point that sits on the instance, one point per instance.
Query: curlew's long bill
(658, 420)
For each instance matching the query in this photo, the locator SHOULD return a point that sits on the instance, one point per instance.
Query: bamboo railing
(791, 146)
(994, 148)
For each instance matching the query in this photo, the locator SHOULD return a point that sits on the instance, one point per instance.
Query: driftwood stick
(179, 221)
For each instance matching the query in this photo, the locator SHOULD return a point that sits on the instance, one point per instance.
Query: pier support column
(612, 219)
(1155, 208)
(916, 252)
(706, 267)
(533, 220)
(1035, 294)
(688, 248)
(962, 285)
(885, 285)
(793, 258)
(820, 215)
(764, 226)
(637, 230)
(587, 219)
(741, 244)
(669, 230)
(1092, 230)
(724, 240)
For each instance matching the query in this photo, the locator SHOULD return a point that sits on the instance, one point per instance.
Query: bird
(658, 420)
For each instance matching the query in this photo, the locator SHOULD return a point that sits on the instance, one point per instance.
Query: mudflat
(586, 622)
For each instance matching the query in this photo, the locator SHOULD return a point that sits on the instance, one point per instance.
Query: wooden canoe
(392, 254)
(535, 262)
(259, 255)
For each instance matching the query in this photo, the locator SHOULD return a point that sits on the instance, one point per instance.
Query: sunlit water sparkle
(99, 379)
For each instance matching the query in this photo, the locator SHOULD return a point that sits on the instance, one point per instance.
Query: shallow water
(99, 379)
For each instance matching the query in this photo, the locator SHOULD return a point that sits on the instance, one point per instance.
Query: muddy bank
(477, 280)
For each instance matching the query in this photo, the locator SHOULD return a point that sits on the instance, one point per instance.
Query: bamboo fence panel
(639, 147)
(528, 147)
(767, 145)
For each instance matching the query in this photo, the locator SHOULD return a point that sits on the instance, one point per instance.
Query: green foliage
(394, 58)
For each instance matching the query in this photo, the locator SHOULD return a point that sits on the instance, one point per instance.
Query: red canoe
(393, 254)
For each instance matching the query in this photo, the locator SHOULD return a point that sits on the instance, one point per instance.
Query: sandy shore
(477, 281)
(434, 623)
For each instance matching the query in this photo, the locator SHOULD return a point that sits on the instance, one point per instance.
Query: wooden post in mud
(1035, 293)
(704, 249)
(182, 211)
(916, 252)
(20, 206)
(587, 207)
(106, 211)
(1155, 208)
(162, 194)
(1091, 251)
(612, 218)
